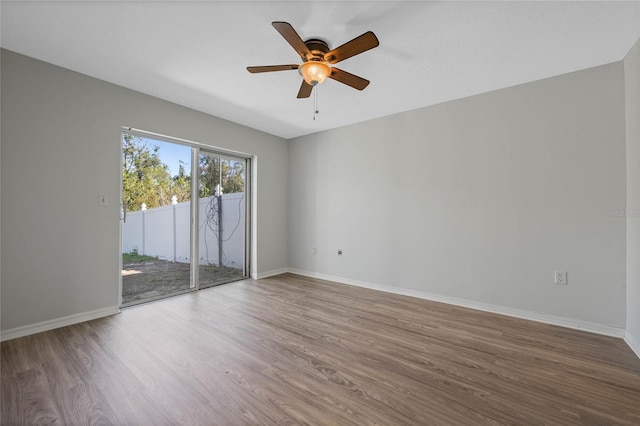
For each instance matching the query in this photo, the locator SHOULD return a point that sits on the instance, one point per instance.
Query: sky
(171, 154)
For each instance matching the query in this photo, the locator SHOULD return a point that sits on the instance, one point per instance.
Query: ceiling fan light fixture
(314, 72)
(318, 59)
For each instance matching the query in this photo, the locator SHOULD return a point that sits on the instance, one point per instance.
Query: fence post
(219, 198)
(174, 201)
(143, 208)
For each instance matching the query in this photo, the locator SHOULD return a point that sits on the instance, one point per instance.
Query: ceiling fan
(317, 59)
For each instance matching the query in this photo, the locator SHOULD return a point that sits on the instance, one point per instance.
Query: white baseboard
(528, 315)
(261, 275)
(633, 343)
(517, 313)
(26, 330)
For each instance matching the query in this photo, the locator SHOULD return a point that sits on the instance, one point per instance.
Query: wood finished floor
(294, 350)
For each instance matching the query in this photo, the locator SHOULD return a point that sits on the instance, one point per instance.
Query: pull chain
(315, 101)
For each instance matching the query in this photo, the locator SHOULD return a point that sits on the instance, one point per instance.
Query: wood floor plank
(78, 402)
(295, 350)
(27, 399)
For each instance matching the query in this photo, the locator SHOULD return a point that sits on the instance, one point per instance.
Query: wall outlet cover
(560, 277)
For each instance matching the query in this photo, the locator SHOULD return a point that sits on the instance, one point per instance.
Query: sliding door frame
(197, 147)
(247, 196)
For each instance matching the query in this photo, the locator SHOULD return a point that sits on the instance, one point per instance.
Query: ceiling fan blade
(348, 79)
(286, 30)
(269, 68)
(351, 48)
(305, 90)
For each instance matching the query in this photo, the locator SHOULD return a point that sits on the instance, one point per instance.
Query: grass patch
(135, 257)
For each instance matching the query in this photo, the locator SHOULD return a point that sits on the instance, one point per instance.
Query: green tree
(181, 184)
(233, 176)
(146, 179)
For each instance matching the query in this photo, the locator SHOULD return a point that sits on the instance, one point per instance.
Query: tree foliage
(146, 179)
(232, 176)
(182, 184)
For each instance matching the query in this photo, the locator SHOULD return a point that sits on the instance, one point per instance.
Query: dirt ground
(150, 280)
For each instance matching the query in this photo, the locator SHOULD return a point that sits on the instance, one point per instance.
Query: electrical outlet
(314, 250)
(561, 277)
(339, 252)
(102, 200)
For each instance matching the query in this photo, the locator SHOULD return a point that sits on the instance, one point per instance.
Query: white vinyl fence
(164, 231)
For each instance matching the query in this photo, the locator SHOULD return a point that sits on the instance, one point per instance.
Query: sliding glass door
(156, 195)
(180, 233)
(222, 226)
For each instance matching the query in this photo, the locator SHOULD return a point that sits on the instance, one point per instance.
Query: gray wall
(478, 199)
(60, 149)
(632, 101)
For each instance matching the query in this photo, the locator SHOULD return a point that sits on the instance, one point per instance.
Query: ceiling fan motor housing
(318, 48)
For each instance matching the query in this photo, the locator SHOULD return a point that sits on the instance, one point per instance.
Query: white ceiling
(196, 53)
